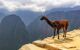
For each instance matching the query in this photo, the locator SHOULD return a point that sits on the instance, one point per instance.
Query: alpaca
(57, 25)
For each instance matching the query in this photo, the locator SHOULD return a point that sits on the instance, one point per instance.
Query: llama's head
(43, 17)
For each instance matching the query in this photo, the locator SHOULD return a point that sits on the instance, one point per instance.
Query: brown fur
(57, 25)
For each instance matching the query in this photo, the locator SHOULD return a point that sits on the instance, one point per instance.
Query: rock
(39, 43)
(54, 47)
(31, 47)
(43, 44)
(69, 46)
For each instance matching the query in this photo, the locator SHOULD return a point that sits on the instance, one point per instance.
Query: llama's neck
(49, 22)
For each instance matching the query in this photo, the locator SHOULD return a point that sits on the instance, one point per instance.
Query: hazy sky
(37, 5)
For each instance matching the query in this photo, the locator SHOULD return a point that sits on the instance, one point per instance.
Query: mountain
(41, 29)
(63, 9)
(27, 16)
(13, 33)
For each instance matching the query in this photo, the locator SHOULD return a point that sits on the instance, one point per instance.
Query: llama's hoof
(63, 36)
(53, 37)
(58, 37)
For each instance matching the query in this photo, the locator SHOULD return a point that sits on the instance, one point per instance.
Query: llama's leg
(58, 33)
(54, 33)
(64, 32)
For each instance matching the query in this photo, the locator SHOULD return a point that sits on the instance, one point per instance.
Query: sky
(37, 5)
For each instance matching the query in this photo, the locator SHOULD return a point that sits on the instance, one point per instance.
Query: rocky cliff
(72, 42)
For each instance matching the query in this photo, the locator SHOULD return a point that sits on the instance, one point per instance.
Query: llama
(57, 25)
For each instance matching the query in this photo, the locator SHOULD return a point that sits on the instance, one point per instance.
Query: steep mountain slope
(12, 33)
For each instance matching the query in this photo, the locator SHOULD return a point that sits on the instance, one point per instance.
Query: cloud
(11, 6)
(37, 5)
